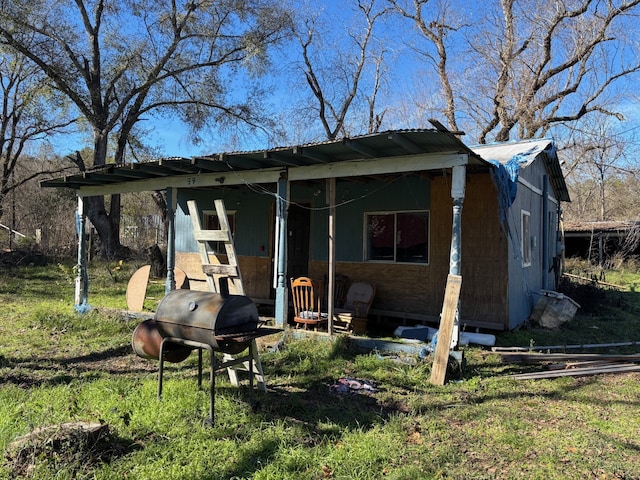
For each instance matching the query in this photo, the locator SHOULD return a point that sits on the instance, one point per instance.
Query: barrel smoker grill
(186, 320)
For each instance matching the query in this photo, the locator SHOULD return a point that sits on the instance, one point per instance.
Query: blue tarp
(506, 178)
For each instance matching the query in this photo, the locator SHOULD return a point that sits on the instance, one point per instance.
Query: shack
(399, 209)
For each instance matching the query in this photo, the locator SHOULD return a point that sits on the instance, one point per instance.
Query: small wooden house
(399, 209)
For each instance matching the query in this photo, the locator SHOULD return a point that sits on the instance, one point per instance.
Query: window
(210, 222)
(525, 245)
(401, 237)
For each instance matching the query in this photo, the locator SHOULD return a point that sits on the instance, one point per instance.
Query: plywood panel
(256, 272)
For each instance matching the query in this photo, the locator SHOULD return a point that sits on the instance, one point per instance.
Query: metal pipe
(82, 278)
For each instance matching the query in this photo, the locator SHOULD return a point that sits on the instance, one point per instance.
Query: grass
(57, 366)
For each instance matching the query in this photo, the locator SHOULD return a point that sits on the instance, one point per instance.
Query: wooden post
(172, 201)
(449, 309)
(331, 194)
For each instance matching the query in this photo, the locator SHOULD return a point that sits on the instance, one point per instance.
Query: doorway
(298, 240)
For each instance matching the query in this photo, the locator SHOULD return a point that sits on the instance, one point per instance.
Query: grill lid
(221, 314)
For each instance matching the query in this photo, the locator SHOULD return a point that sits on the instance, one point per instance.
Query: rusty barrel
(146, 341)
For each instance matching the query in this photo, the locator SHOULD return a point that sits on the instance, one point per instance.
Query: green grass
(57, 366)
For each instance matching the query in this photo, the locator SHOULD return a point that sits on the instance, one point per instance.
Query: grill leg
(161, 369)
(212, 389)
(199, 368)
(251, 353)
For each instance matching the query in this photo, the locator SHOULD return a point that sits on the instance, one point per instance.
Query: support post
(458, 183)
(282, 302)
(331, 197)
(172, 202)
(82, 279)
(545, 232)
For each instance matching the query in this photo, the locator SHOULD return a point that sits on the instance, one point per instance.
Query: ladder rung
(227, 270)
(212, 236)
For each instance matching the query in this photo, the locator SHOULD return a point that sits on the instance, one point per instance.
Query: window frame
(526, 249)
(217, 248)
(366, 240)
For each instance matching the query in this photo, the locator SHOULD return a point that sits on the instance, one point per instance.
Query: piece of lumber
(445, 332)
(137, 288)
(578, 372)
(597, 282)
(564, 347)
(516, 357)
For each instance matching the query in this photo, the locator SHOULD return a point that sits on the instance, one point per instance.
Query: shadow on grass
(36, 372)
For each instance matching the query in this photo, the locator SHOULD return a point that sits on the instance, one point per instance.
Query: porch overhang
(393, 152)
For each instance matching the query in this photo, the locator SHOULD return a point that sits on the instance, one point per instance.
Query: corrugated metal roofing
(525, 152)
(597, 227)
(395, 143)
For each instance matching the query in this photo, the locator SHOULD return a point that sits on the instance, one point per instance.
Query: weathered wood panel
(256, 272)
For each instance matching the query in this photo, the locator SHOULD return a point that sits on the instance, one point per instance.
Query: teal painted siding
(253, 216)
(353, 200)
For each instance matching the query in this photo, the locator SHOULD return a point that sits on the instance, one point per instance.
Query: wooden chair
(307, 301)
(340, 284)
(352, 316)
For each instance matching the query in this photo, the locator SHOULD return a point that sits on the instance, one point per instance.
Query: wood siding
(420, 288)
(403, 288)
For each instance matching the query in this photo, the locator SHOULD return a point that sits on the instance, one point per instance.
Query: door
(298, 233)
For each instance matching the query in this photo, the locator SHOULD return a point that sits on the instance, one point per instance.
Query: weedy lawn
(58, 367)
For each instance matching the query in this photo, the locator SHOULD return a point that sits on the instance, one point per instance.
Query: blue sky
(408, 80)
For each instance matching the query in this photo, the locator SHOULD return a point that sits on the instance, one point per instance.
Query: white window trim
(525, 241)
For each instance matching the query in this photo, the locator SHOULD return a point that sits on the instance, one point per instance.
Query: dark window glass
(398, 237)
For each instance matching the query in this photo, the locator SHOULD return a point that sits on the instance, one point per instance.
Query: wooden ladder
(225, 274)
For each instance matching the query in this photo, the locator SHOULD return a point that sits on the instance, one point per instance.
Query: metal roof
(588, 228)
(389, 144)
(525, 152)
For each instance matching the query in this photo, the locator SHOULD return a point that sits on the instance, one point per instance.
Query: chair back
(306, 296)
(340, 286)
(359, 298)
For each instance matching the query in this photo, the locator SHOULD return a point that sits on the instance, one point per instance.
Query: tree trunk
(106, 224)
(108, 234)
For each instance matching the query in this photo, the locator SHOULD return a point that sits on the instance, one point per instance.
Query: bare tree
(42, 214)
(553, 63)
(376, 118)
(30, 111)
(119, 61)
(529, 65)
(597, 170)
(337, 86)
(436, 28)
